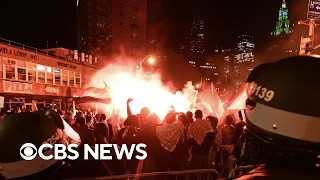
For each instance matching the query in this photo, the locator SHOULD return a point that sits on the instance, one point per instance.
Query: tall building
(222, 58)
(283, 25)
(112, 27)
(197, 37)
(195, 50)
(243, 59)
(155, 40)
(227, 68)
(94, 26)
(284, 41)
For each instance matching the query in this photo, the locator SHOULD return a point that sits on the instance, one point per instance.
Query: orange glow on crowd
(145, 89)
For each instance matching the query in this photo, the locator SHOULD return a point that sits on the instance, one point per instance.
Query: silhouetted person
(200, 140)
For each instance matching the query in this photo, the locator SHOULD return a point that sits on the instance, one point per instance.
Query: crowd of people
(280, 138)
(180, 141)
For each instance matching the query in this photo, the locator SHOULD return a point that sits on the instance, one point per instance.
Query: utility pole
(307, 43)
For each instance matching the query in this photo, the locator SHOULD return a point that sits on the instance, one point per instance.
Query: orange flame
(146, 90)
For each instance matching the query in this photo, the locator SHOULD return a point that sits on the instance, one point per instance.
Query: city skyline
(109, 28)
(61, 29)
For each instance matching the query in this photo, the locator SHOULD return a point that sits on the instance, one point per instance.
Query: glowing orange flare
(145, 90)
(151, 60)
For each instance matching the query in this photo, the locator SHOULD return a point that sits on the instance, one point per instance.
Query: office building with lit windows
(195, 50)
(112, 27)
(218, 73)
(197, 37)
(209, 70)
(243, 59)
(45, 77)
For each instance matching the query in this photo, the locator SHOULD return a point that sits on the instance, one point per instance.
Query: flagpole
(213, 99)
(47, 47)
(73, 108)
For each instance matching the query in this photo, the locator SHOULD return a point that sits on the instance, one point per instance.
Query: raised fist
(129, 100)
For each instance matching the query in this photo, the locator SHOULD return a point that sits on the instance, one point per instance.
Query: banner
(17, 87)
(80, 100)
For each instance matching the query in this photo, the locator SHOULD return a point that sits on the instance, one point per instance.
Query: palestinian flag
(88, 99)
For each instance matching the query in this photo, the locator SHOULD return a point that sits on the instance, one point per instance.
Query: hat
(285, 103)
(27, 127)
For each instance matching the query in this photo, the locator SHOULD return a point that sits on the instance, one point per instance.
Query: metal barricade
(240, 170)
(198, 174)
(232, 163)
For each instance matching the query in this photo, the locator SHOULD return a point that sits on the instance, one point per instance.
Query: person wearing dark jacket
(171, 138)
(132, 134)
(98, 168)
(83, 130)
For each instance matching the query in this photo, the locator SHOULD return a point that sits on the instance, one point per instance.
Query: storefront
(23, 94)
(27, 78)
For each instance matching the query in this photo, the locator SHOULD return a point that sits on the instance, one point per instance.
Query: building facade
(284, 39)
(94, 26)
(243, 59)
(34, 76)
(113, 27)
(197, 37)
(283, 25)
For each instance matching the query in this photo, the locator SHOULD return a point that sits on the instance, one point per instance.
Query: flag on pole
(210, 101)
(87, 99)
(73, 108)
(196, 97)
(106, 87)
(34, 106)
(217, 103)
(204, 100)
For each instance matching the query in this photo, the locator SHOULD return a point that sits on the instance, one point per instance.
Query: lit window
(41, 68)
(49, 69)
(57, 76)
(22, 74)
(65, 77)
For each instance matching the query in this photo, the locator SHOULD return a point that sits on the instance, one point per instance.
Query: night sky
(34, 22)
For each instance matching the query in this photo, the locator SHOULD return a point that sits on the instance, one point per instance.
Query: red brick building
(31, 75)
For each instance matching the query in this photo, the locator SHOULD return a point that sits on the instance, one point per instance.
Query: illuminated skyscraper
(284, 42)
(283, 23)
(244, 59)
(197, 37)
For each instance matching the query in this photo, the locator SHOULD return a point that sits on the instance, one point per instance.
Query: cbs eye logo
(28, 151)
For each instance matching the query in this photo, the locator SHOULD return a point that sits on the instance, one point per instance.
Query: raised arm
(128, 107)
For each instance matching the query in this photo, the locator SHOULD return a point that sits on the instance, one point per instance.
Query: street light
(151, 60)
